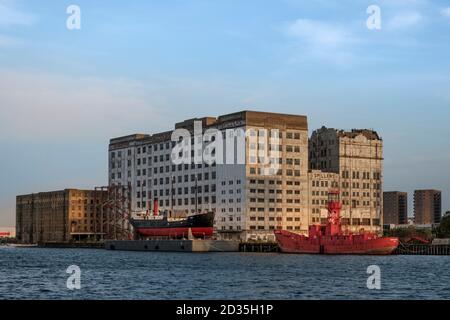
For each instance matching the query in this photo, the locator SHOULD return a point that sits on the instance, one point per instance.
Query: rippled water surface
(35, 273)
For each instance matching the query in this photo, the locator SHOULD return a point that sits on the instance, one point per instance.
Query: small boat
(330, 239)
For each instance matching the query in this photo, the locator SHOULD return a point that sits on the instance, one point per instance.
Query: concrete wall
(174, 245)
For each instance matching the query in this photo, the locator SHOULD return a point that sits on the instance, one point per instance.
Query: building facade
(395, 207)
(260, 179)
(59, 216)
(356, 157)
(260, 184)
(320, 183)
(427, 206)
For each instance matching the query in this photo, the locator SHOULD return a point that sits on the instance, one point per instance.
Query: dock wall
(173, 245)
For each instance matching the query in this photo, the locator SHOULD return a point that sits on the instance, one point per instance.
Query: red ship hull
(364, 244)
(176, 232)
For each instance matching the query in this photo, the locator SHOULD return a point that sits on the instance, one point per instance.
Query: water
(35, 273)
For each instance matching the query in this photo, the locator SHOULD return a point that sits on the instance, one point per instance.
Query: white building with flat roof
(251, 191)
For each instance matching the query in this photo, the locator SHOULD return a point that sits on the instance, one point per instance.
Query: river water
(37, 273)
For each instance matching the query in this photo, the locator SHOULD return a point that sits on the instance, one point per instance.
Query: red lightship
(330, 239)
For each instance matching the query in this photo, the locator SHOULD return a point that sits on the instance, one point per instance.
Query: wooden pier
(403, 249)
(423, 249)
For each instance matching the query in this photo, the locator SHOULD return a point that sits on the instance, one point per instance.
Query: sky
(142, 65)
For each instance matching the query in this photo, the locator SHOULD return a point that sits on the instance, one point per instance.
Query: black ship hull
(200, 225)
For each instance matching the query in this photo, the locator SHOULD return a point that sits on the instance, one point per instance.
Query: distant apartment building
(356, 159)
(427, 206)
(395, 207)
(268, 184)
(59, 216)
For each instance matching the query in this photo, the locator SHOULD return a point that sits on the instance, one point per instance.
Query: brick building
(395, 207)
(59, 216)
(427, 206)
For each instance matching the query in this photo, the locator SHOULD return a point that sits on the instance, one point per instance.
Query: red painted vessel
(198, 225)
(330, 239)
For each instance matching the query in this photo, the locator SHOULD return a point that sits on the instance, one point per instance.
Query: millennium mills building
(354, 162)
(257, 171)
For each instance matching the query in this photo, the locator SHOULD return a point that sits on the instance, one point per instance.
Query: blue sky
(143, 65)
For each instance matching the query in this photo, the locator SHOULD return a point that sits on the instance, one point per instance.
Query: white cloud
(445, 12)
(323, 41)
(10, 16)
(404, 3)
(404, 20)
(318, 32)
